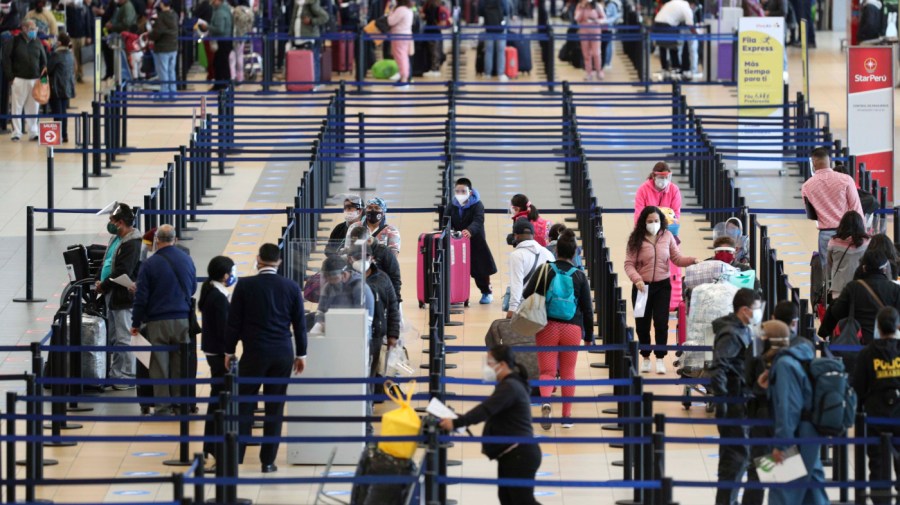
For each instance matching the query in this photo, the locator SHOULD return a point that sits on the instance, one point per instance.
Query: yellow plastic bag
(400, 422)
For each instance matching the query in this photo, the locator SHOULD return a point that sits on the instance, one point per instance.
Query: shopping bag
(400, 422)
(640, 302)
(201, 54)
(397, 362)
(41, 90)
(532, 314)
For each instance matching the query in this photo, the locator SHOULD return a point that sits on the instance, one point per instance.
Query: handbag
(382, 25)
(532, 314)
(400, 422)
(313, 287)
(745, 279)
(41, 90)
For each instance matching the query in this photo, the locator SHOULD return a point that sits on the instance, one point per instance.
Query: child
(61, 71)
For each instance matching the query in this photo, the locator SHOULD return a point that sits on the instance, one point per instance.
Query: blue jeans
(495, 48)
(824, 237)
(166, 73)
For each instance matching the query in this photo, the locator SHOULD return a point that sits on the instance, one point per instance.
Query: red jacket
(541, 227)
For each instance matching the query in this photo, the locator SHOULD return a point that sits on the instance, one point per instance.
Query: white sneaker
(432, 73)
(645, 365)
(568, 426)
(395, 77)
(503, 78)
(660, 367)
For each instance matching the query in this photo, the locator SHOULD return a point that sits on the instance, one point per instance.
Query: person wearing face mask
(307, 18)
(122, 255)
(80, 27)
(877, 382)
(867, 295)
(382, 256)
(788, 313)
(658, 191)
(466, 213)
(352, 214)
(733, 349)
(61, 70)
(386, 321)
(376, 222)
(343, 288)
(264, 309)
(649, 250)
(24, 59)
(521, 208)
(45, 21)
(213, 304)
(506, 413)
(524, 262)
(9, 20)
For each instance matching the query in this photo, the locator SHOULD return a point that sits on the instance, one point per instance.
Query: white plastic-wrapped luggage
(93, 333)
(708, 303)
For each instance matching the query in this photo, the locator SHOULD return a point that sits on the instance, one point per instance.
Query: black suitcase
(376, 462)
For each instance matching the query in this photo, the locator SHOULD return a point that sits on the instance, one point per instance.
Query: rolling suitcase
(460, 268)
(470, 11)
(523, 46)
(342, 56)
(512, 62)
(327, 57)
(299, 70)
(93, 333)
(676, 280)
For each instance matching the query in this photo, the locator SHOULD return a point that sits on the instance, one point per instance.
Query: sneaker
(15, 138)
(486, 299)
(395, 77)
(33, 138)
(432, 73)
(660, 366)
(545, 414)
(123, 387)
(645, 365)
(567, 426)
(503, 78)
(588, 77)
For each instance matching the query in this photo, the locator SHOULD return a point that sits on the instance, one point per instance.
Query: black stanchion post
(85, 149)
(859, 460)
(199, 474)
(361, 121)
(184, 426)
(50, 214)
(551, 58)
(96, 138)
(29, 259)
(432, 469)
(361, 63)
(455, 41)
(58, 369)
(886, 454)
(11, 399)
(231, 460)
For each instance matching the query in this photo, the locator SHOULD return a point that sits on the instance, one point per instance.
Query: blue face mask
(32, 34)
(232, 279)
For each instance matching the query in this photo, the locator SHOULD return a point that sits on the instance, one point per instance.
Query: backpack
(834, 401)
(243, 20)
(561, 295)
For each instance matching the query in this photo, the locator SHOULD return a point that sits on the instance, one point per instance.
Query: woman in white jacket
(523, 262)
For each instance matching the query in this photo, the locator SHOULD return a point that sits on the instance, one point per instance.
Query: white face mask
(756, 318)
(661, 183)
(361, 267)
(652, 228)
(461, 198)
(351, 215)
(488, 374)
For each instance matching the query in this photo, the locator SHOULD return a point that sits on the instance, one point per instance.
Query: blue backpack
(561, 295)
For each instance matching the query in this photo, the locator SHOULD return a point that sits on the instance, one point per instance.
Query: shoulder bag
(194, 327)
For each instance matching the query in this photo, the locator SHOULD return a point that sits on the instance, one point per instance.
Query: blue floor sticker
(141, 474)
(148, 454)
(544, 493)
(132, 492)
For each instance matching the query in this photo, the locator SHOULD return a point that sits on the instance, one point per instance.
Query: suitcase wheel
(466, 303)
(421, 305)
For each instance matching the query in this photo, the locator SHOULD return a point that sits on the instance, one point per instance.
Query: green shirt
(108, 259)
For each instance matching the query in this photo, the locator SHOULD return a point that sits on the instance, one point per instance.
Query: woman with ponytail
(213, 305)
(520, 207)
(506, 413)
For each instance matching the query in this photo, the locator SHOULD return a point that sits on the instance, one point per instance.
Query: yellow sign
(760, 64)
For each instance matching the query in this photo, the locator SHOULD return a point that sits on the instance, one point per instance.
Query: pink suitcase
(460, 268)
(681, 332)
(299, 67)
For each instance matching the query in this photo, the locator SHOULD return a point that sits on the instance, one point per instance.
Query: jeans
(495, 51)
(824, 237)
(657, 313)
(607, 50)
(166, 73)
(119, 334)
(58, 107)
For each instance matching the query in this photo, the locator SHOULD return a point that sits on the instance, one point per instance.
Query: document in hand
(640, 302)
(123, 280)
(789, 470)
(142, 356)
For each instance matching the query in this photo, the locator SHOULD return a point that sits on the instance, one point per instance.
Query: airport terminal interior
(512, 139)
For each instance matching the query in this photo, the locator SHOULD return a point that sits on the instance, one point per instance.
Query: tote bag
(532, 314)
(41, 90)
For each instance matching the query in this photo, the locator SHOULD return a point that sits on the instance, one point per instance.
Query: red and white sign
(51, 134)
(870, 111)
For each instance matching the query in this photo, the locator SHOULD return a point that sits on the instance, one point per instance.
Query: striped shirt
(832, 194)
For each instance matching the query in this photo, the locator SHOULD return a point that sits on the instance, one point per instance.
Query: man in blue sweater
(263, 310)
(162, 304)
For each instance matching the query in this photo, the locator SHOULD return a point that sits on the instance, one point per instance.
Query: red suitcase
(299, 68)
(342, 56)
(460, 268)
(676, 278)
(512, 62)
(681, 331)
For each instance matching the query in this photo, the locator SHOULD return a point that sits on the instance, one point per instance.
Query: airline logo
(870, 65)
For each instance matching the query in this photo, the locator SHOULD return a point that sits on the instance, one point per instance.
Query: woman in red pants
(570, 319)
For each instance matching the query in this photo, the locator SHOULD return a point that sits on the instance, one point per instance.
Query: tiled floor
(403, 184)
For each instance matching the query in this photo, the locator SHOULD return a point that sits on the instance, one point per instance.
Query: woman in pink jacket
(650, 247)
(590, 17)
(659, 191)
(401, 21)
